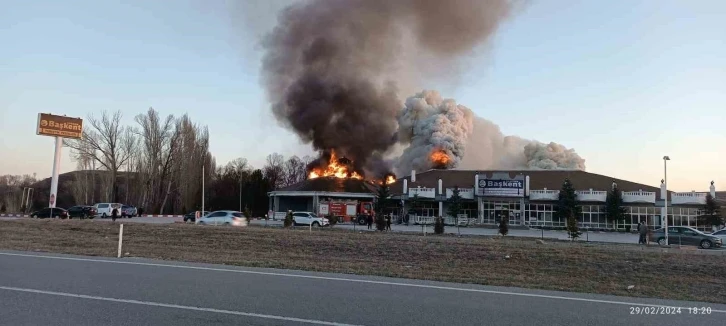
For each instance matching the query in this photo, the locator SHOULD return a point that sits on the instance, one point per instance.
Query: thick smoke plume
(488, 148)
(332, 68)
(431, 126)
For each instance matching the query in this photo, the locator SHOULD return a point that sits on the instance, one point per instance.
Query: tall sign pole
(56, 168)
(58, 127)
(202, 189)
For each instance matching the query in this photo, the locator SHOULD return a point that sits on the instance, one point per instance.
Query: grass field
(554, 265)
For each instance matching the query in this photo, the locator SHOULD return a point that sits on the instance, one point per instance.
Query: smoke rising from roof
(428, 124)
(332, 68)
(488, 148)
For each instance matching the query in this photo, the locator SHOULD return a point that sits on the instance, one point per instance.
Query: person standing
(643, 230)
(388, 222)
(114, 214)
(369, 221)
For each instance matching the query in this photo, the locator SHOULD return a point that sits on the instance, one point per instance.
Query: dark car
(684, 235)
(128, 211)
(193, 216)
(50, 212)
(82, 211)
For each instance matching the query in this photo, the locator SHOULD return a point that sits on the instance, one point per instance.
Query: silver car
(233, 218)
(721, 234)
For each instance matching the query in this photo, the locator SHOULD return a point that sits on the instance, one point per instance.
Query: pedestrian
(388, 222)
(114, 214)
(369, 220)
(643, 230)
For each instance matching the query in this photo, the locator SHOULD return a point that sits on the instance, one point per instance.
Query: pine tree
(439, 225)
(382, 198)
(454, 203)
(288, 220)
(2, 208)
(568, 208)
(711, 214)
(503, 227)
(614, 209)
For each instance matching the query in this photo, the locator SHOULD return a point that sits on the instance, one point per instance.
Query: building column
(275, 205)
(522, 219)
(441, 208)
(316, 201)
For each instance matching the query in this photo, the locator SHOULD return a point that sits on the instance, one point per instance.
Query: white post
(202, 189)
(56, 168)
(120, 238)
(665, 182)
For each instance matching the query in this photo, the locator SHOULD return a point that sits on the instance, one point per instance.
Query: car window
(721, 232)
(688, 232)
(313, 215)
(674, 230)
(237, 214)
(102, 205)
(217, 214)
(299, 215)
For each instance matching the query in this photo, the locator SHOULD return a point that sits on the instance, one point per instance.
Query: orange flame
(440, 158)
(390, 179)
(334, 169)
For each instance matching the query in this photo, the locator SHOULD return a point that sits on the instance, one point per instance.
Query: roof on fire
(332, 184)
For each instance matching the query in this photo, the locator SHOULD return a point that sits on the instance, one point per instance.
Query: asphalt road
(46, 289)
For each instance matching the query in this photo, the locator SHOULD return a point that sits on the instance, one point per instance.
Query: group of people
(387, 221)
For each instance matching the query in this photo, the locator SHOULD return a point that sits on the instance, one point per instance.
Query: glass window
(102, 205)
(237, 214)
(217, 214)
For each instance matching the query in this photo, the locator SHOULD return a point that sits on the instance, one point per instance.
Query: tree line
(156, 163)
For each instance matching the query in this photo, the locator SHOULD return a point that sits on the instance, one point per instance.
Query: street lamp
(665, 183)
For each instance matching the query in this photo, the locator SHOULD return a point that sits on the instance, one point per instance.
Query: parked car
(104, 209)
(48, 212)
(721, 234)
(685, 235)
(128, 211)
(233, 218)
(192, 216)
(309, 218)
(82, 211)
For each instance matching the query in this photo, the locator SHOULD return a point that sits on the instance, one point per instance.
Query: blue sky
(622, 82)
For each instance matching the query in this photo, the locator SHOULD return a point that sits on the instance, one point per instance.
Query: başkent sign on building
(59, 126)
(501, 186)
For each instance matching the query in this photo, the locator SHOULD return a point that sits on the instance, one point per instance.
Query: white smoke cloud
(428, 123)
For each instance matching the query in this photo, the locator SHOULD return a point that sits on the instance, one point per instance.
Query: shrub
(439, 225)
(572, 229)
(2, 208)
(288, 220)
(332, 219)
(247, 213)
(503, 227)
(380, 222)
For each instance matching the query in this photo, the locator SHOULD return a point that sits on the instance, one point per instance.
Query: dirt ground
(508, 261)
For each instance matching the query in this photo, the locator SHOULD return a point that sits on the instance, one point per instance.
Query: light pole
(240, 194)
(665, 183)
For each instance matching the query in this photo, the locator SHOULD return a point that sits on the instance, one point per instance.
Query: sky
(622, 82)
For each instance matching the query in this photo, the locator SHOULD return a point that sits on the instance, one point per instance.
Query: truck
(348, 210)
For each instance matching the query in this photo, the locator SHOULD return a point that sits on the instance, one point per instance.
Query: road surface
(49, 289)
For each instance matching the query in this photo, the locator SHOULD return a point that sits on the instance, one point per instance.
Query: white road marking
(175, 306)
(425, 286)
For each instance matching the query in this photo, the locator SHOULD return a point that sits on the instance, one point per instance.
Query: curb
(147, 215)
(14, 215)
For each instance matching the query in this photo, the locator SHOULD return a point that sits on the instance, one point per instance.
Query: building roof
(331, 184)
(538, 179)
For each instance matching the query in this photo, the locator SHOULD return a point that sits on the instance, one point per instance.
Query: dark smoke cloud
(332, 68)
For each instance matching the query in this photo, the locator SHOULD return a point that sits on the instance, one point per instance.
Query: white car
(309, 218)
(104, 209)
(233, 218)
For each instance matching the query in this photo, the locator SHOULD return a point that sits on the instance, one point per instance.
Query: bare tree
(274, 170)
(294, 170)
(108, 143)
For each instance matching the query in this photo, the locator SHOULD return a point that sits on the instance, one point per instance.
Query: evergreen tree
(288, 220)
(614, 209)
(439, 225)
(2, 208)
(454, 203)
(503, 227)
(568, 208)
(415, 204)
(382, 198)
(711, 214)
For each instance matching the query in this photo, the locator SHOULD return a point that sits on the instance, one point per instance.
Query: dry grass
(555, 265)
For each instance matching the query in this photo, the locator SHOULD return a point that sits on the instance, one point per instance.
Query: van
(104, 209)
